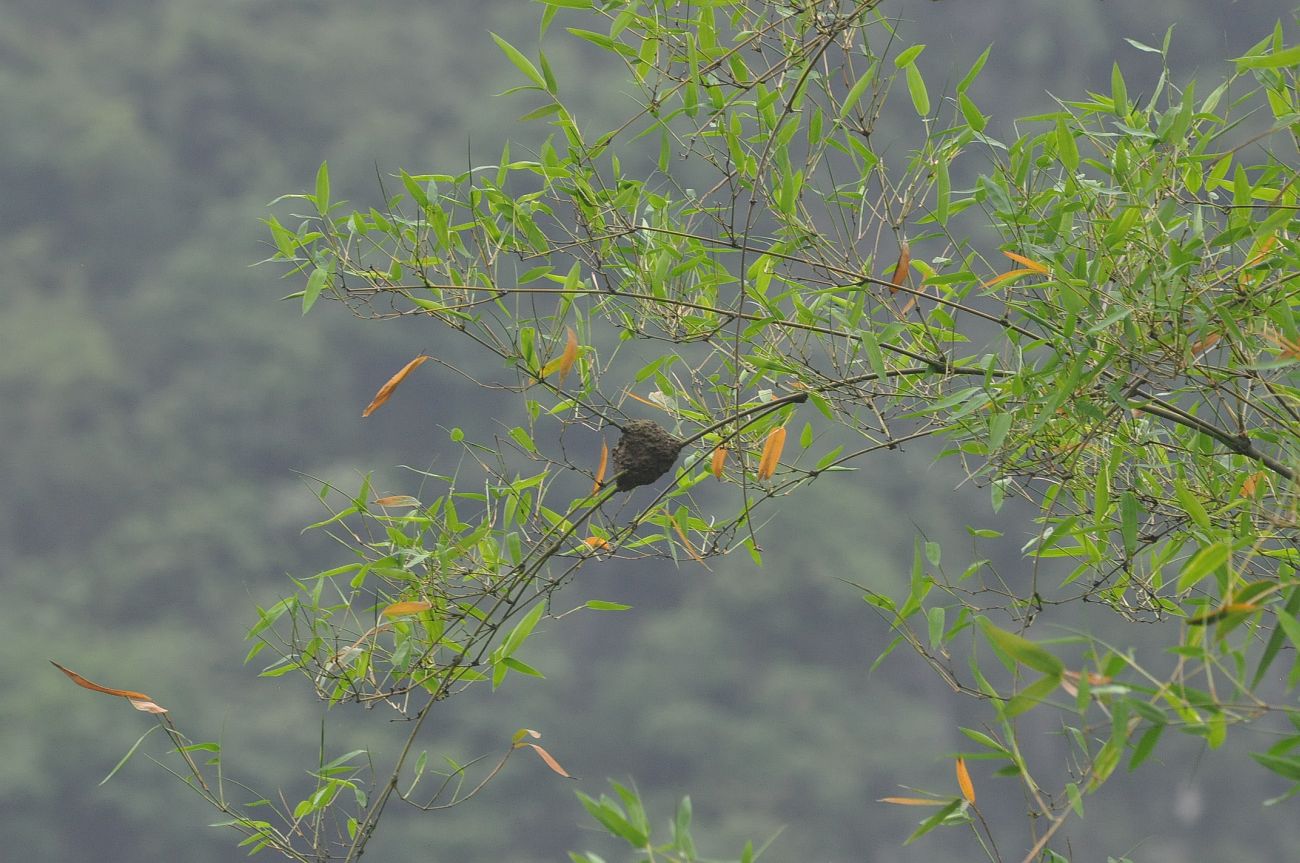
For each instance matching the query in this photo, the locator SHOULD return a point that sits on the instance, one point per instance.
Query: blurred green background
(156, 400)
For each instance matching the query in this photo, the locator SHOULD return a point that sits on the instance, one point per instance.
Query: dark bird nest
(645, 452)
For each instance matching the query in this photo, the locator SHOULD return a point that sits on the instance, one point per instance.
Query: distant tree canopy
(749, 285)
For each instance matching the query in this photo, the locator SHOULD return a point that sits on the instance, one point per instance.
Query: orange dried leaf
(564, 362)
(1251, 483)
(600, 471)
(963, 782)
(546, 757)
(410, 606)
(396, 500)
(146, 706)
(900, 269)
(1033, 265)
(596, 542)
(913, 801)
(1009, 274)
(719, 461)
(771, 453)
(387, 389)
(95, 687)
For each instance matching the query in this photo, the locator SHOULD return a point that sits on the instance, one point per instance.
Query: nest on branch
(645, 452)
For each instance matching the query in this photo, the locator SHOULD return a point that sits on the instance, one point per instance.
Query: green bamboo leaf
(916, 89)
(1207, 560)
(933, 821)
(1276, 60)
(315, 284)
(522, 63)
(1022, 650)
(522, 630)
(1065, 146)
(906, 58)
(1031, 696)
(323, 187)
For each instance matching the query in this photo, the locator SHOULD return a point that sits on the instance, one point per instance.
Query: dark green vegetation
(155, 399)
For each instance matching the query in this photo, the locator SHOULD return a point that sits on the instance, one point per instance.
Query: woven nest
(645, 452)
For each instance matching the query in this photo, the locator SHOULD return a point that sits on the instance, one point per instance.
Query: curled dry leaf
(413, 606)
(963, 782)
(719, 460)
(564, 362)
(900, 269)
(138, 699)
(387, 389)
(600, 471)
(771, 453)
(1251, 482)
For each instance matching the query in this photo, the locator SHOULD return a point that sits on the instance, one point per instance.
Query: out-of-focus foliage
(154, 403)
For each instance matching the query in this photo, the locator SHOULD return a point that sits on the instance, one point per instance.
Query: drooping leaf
(899, 278)
(549, 760)
(718, 462)
(138, 700)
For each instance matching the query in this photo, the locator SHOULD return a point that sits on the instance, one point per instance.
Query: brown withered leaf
(899, 278)
(387, 389)
(129, 694)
